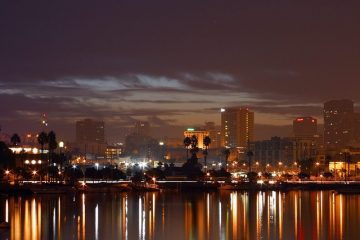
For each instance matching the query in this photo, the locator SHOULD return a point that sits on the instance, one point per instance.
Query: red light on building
(299, 119)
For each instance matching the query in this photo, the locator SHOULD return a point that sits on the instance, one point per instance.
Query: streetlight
(61, 146)
(34, 173)
(317, 166)
(280, 164)
(7, 172)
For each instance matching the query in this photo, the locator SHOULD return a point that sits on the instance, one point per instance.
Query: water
(172, 215)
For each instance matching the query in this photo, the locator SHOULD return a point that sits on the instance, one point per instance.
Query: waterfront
(172, 215)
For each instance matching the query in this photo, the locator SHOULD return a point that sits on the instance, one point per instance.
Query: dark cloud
(123, 60)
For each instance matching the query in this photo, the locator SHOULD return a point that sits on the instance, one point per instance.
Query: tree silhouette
(187, 142)
(7, 159)
(52, 144)
(15, 139)
(207, 142)
(226, 153)
(42, 140)
(191, 167)
(249, 154)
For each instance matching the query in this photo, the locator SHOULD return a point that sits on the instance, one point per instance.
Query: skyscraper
(304, 127)
(90, 137)
(340, 123)
(90, 131)
(237, 127)
(142, 128)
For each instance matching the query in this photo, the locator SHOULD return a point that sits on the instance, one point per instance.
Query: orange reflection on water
(296, 214)
(234, 214)
(227, 215)
(83, 218)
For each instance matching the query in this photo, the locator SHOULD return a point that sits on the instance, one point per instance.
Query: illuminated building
(142, 128)
(89, 130)
(199, 134)
(341, 124)
(304, 127)
(237, 127)
(113, 152)
(214, 134)
(274, 151)
(90, 137)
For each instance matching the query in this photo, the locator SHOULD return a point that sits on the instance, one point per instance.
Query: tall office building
(89, 130)
(237, 127)
(304, 127)
(90, 138)
(340, 124)
(214, 134)
(142, 128)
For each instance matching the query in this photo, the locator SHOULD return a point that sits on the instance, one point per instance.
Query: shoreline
(186, 186)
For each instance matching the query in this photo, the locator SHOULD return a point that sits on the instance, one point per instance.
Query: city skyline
(133, 65)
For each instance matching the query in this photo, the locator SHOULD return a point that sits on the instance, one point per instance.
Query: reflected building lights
(296, 214)
(280, 217)
(39, 219)
(259, 213)
(83, 223)
(208, 214)
(7, 210)
(220, 219)
(232, 215)
(341, 217)
(27, 221)
(142, 220)
(126, 217)
(234, 211)
(317, 216)
(59, 219)
(54, 223)
(97, 221)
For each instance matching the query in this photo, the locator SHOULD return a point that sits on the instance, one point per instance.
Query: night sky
(174, 63)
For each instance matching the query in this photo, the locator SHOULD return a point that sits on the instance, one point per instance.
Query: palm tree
(52, 144)
(207, 141)
(249, 154)
(187, 142)
(226, 153)
(42, 140)
(15, 139)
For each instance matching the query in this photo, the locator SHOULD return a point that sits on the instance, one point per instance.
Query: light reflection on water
(223, 215)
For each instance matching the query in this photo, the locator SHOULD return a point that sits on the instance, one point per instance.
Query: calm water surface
(172, 215)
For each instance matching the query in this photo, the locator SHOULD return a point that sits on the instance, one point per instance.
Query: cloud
(146, 59)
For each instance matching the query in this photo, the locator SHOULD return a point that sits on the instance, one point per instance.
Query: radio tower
(44, 122)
